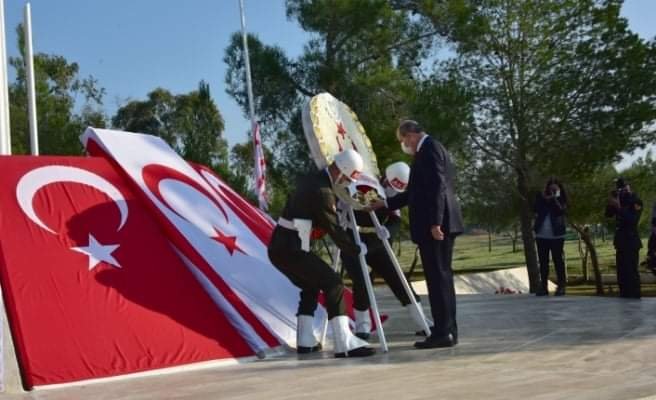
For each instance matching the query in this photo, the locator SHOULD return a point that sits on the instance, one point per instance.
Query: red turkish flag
(92, 287)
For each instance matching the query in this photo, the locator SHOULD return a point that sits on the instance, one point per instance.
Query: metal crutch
(335, 265)
(368, 284)
(399, 271)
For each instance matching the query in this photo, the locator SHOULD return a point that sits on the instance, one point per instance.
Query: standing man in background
(626, 207)
(435, 221)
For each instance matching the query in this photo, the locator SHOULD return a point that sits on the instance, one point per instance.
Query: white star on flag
(98, 253)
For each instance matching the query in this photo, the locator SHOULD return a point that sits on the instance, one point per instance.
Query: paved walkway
(511, 347)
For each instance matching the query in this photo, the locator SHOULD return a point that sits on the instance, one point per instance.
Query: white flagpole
(249, 83)
(31, 92)
(5, 136)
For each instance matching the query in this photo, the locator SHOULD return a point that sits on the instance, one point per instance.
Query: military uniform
(627, 243)
(377, 258)
(313, 200)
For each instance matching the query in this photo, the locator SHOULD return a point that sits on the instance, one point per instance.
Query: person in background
(626, 207)
(550, 208)
(650, 263)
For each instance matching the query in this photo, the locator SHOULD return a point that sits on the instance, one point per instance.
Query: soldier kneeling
(312, 205)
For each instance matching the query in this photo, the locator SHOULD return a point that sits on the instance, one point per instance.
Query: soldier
(395, 182)
(313, 205)
(626, 207)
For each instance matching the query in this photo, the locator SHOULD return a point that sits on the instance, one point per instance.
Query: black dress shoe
(560, 291)
(362, 335)
(542, 292)
(434, 342)
(306, 350)
(358, 352)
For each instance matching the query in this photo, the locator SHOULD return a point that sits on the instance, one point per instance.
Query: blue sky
(134, 46)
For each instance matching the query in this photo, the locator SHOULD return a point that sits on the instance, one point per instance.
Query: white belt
(302, 226)
(287, 224)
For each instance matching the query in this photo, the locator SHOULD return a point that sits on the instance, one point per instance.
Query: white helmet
(350, 163)
(398, 175)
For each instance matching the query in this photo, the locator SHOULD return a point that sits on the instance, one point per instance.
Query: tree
(558, 87)
(154, 116)
(368, 54)
(487, 197)
(191, 123)
(57, 87)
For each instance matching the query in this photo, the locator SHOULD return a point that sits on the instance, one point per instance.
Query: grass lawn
(471, 254)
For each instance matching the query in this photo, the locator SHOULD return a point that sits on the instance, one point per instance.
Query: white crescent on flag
(34, 180)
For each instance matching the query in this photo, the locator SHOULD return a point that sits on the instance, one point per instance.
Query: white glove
(363, 249)
(383, 233)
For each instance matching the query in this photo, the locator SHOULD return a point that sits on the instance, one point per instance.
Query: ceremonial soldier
(312, 205)
(626, 207)
(394, 182)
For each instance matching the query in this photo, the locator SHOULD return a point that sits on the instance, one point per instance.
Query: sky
(134, 46)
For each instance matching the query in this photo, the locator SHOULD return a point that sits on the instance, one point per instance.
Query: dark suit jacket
(544, 207)
(430, 196)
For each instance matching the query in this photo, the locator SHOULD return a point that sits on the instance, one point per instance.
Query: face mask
(407, 150)
(389, 192)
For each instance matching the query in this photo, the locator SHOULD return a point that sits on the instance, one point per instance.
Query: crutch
(399, 271)
(368, 284)
(335, 266)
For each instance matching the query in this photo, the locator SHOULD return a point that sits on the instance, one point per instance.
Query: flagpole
(31, 92)
(5, 136)
(249, 89)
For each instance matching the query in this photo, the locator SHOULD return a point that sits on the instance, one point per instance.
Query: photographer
(549, 208)
(626, 207)
(651, 244)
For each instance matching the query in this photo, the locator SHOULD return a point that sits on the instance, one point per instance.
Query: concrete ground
(511, 346)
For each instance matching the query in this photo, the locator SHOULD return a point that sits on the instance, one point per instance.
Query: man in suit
(435, 221)
(626, 207)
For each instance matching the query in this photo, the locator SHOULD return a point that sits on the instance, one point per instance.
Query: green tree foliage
(488, 198)
(368, 54)
(61, 116)
(191, 123)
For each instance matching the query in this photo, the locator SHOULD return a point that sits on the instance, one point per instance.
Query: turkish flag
(91, 285)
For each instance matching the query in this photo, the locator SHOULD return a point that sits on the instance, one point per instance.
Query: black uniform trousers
(381, 264)
(555, 247)
(307, 271)
(436, 256)
(627, 257)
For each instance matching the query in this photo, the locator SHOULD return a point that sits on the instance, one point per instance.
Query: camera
(620, 187)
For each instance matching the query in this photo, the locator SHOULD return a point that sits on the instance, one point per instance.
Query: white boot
(418, 317)
(362, 324)
(346, 343)
(305, 340)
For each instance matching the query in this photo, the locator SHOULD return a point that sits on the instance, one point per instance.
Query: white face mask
(389, 192)
(407, 150)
